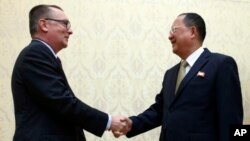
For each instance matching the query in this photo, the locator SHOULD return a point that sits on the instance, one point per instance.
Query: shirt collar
(194, 56)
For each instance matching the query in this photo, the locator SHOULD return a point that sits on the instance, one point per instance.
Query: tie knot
(184, 63)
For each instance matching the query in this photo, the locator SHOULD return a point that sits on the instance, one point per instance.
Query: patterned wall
(119, 51)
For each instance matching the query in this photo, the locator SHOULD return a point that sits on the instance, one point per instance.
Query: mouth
(173, 42)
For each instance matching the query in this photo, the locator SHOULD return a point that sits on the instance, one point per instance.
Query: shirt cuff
(109, 123)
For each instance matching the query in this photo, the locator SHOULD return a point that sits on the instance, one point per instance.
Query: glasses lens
(172, 30)
(66, 23)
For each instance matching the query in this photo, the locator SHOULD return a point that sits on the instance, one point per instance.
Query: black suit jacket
(45, 106)
(207, 102)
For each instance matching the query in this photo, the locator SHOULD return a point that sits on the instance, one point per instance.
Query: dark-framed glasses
(66, 23)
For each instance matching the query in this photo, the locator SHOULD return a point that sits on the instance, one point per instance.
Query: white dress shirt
(193, 58)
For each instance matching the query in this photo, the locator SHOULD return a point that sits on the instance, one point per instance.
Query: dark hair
(38, 12)
(193, 19)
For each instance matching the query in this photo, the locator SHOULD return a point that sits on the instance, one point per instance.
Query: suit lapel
(53, 59)
(201, 61)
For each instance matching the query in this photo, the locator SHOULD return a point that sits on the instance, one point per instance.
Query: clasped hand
(120, 125)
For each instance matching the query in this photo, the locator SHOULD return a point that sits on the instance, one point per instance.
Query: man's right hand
(120, 125)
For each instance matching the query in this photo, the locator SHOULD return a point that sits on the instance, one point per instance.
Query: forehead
(179, 21)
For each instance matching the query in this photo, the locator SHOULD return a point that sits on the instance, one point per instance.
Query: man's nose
(170, 36)
(70, 31)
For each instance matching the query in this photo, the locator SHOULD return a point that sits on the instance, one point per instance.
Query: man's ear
(42, 25)
(194, 32)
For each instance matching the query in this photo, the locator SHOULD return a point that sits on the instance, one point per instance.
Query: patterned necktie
(181, 74)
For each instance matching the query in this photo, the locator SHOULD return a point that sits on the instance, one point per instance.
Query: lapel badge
(201, 74)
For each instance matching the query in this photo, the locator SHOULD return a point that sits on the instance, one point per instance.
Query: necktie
(59, 61)
(181, 73)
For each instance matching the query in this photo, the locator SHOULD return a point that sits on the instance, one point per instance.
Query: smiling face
(57, 29)
(181, 37)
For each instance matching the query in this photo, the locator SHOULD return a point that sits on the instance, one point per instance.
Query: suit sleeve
(48, 86)
(228, 97)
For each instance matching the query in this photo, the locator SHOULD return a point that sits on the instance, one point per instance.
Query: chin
(65, 45)
(174, 50)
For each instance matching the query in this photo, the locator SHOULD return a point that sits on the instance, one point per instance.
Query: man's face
(58, 29)
(179, 36)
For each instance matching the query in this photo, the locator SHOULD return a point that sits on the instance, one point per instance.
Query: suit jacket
(207, 102)
(46, 108)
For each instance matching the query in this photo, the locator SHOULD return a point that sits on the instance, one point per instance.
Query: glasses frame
(66, 23)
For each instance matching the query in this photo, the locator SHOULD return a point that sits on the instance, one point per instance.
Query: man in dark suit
(45, 106)
(208, 99)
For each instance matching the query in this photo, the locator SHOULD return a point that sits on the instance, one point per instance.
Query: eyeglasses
(174, 28)
(66, 23)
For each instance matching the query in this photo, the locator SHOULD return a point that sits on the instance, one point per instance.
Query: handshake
(120, 125)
